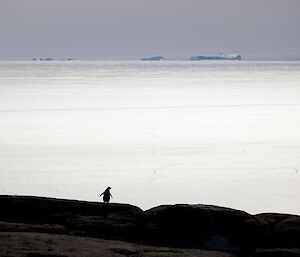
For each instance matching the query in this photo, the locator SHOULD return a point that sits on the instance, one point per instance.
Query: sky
(131, 29)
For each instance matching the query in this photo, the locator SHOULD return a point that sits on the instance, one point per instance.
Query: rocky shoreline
(36, 226)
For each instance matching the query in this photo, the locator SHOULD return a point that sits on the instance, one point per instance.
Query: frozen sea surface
(222, 133)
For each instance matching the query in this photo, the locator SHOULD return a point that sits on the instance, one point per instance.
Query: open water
(221, 133)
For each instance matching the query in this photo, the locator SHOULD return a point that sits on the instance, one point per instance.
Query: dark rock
(205, 226)
(188, 226)
(125, 251)
(276, 253)
(269, 220)
(120, 221)
(284, 233)
(44, 255)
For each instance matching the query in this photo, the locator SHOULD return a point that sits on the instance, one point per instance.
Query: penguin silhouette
(106, 195)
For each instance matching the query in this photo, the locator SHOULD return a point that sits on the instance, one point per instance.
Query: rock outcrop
(185, 226)
(205, 226)
(73, 217)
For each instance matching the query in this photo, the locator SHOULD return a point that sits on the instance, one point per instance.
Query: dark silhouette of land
(48, 227)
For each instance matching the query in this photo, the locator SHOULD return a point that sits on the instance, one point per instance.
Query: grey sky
(113, 29)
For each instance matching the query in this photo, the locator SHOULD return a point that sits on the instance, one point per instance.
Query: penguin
(106, 195)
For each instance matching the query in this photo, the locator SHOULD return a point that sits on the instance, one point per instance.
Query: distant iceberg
(154, 58)
(217, 57)
(42, 59)
(50, 59)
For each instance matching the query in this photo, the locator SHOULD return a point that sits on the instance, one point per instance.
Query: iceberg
(42, 59)
(154, 58)
(217, 57)
(50, 59)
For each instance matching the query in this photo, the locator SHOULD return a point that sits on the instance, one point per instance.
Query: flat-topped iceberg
(50, 59)
(42, 59)
(217, 57)
(153, 58)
